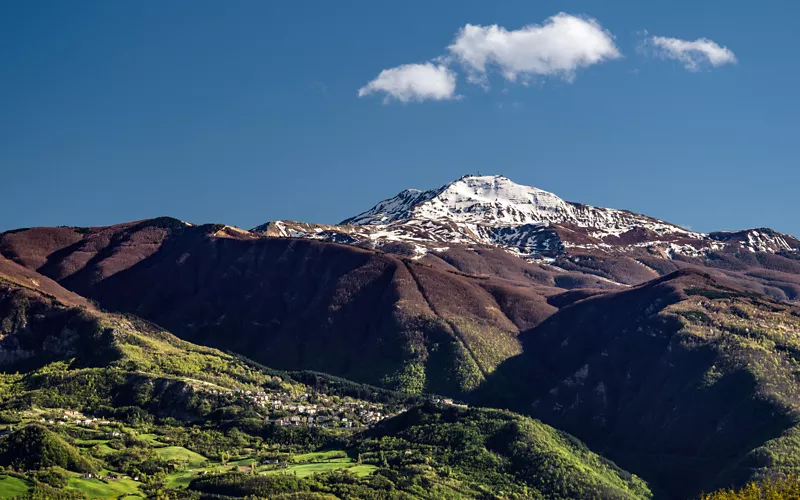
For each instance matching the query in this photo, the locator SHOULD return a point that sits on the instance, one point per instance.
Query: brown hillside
(686, 380)
(39, 319)
(12, 273)
(295, 304)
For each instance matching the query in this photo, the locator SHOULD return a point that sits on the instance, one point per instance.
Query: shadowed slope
(127, 370)
(296, 304)
(684, 380)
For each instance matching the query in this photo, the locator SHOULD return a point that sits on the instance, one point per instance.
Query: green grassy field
(11, 487)
(324, 461)
(102, 445)
(243, 461)
(180, 479)
(319, 456)
(151, 438)
(106, 449)
(95, 488)
(303, 465)
(303, 470)
(180, 453)
(90, 442)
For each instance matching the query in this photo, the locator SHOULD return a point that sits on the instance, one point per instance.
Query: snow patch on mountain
(524, 220)
(495, 200)
(393, 209)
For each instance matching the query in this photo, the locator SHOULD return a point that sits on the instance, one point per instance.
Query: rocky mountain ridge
(526, 221)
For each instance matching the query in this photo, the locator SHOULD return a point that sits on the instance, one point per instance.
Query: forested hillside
(98, 405)
(687, 381)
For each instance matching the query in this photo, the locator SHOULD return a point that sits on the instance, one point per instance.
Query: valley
(479, 340)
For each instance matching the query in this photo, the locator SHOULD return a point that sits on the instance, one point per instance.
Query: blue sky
(247, 111)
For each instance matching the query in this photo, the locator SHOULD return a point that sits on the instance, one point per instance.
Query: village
(283, 409)
(278, 407)
(109, 438)
(315, 410)
(77, 418)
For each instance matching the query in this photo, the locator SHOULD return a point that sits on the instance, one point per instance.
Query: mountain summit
(496, 200)
(476, 199)
(526, 221)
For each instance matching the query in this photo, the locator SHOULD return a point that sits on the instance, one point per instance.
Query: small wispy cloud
(413, 82)
(558, 47)
(694, 55)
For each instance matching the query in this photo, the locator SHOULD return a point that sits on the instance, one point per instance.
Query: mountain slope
(440, 451)
(686, 380)
(616, 245)
(298, 304)
(657, 346)
(111, 393)
(13, 273)
(477, 440)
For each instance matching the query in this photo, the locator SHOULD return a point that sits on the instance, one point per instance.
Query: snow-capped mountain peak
(494, 200)
(392, 209)
(488, 199)
(527, 221)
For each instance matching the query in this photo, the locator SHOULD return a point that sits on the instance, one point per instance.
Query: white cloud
(558, 47)
(414, 82)
(694, 55)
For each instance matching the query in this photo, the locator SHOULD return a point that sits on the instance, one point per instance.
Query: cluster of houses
(285, 409)
(322, 421)
(75, 417)
(447, 402)
(110, 477)
(281, 408)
